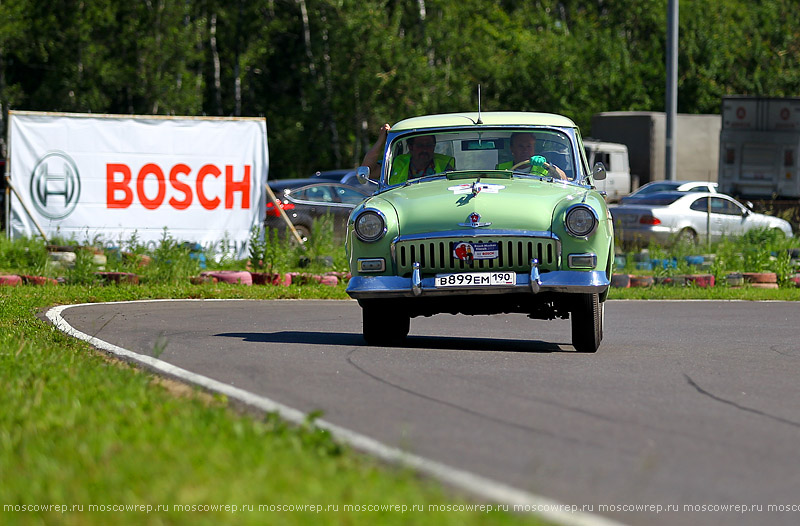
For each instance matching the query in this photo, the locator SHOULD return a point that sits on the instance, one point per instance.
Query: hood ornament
(474, 221)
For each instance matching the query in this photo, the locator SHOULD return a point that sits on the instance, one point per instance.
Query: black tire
(382, 325)
(303, 231)
(587, 323)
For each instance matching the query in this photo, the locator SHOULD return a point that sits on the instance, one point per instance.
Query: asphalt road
(685, 404)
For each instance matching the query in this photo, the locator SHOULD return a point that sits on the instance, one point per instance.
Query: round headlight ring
(370, 225)
(581, 221)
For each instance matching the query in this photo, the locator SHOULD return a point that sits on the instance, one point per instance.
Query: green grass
(664, 292)
(77, 428)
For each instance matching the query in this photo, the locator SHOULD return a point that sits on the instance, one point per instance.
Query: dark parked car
(346, 176)
(304, 200)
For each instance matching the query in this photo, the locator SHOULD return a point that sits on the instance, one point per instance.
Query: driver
(420, 161)
(523, 148)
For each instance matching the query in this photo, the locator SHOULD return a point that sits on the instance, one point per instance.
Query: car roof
(494, 118)
(666, 198)
(294, 183)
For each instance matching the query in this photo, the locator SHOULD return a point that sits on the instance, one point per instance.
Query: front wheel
(588, 317)
(382, 325)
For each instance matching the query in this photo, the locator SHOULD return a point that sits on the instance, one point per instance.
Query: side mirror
(598, 172)
(362, 174)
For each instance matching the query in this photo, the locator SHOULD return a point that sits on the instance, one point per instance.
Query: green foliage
(29, 254)
(171, 262)
(82, 272)
(758, 250)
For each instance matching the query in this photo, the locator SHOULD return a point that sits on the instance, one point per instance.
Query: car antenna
(479, 105)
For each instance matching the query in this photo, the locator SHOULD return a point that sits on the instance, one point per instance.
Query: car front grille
(435, 255)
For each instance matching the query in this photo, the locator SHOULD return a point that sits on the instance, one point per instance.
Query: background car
(346, 176)
(304, 200)
(670, 186)
(666, 217)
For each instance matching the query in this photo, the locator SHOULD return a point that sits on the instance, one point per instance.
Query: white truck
(618, 172)
(759, 145)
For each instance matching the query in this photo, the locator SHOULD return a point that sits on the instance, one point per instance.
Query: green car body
(478, 239)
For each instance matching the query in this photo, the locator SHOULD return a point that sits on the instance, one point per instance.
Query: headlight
(370, 226)
(581, 221)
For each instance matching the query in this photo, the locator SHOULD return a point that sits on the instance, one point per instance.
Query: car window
(314, 193)
(728, 207)
(700, 205)
(348, 195)
(472, 150)
(656, 187)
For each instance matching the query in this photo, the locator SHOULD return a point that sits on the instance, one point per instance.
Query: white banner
(105, 177)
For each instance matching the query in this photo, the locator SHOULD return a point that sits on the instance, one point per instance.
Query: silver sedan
(668, 217)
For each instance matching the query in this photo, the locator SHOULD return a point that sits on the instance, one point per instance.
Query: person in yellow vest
(372, 158)
(523, 148)
(420, 160)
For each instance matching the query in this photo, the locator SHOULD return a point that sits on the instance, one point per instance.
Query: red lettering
(242, 186)
(151, 204)
(113, 186)
(180, 186)
(119, 193)
(209, 169)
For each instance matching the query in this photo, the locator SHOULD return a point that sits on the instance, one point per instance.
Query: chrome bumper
(569, 281)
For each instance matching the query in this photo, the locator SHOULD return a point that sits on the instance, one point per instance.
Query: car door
(334, 200)
(707, 217)
(725, 217)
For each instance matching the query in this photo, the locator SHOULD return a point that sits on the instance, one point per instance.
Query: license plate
(476, 279)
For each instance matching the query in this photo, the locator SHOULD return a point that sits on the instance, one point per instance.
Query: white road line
(475, 484)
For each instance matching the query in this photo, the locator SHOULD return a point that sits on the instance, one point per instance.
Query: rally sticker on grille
(472, 251)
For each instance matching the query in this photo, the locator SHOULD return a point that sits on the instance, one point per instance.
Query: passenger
(373, 157)
(420, 161)
(523, 148)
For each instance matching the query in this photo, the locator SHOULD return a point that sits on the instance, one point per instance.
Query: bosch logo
(55, 185)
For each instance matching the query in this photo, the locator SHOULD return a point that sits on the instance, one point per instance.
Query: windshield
(422, 155)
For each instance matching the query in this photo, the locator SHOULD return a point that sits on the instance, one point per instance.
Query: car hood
(515, 204)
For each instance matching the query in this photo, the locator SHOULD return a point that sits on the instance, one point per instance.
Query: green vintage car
(482, 214)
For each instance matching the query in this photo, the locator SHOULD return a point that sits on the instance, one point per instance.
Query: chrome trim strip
(479, 233)
(568, 281)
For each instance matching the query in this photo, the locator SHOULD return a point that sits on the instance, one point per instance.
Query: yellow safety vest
(402, 162)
